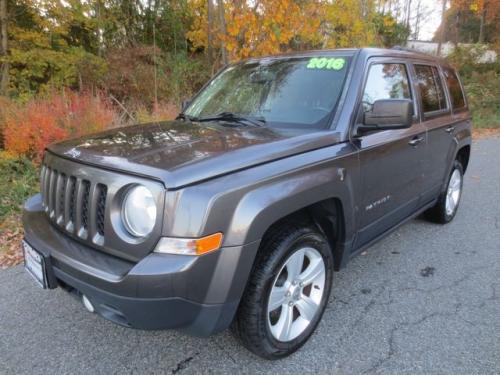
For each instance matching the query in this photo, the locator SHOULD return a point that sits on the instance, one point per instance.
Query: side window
(456, 94)
(386, 81)
(431, 88)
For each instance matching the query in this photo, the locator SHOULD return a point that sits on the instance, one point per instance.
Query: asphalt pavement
(425, 300)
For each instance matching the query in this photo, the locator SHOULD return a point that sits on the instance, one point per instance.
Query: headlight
(139, 211)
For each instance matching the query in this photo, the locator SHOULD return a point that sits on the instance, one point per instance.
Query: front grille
(75, 204)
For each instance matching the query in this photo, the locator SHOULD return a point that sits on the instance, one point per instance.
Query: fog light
(88, 305)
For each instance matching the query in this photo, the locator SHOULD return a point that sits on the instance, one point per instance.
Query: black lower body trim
(153, 313)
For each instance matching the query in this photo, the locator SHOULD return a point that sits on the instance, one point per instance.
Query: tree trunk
(443, 28)
(408, 15)
(222, 21)
(210, 24)
(4, 73)
(416, 30)
(100, 31)
(481, 26)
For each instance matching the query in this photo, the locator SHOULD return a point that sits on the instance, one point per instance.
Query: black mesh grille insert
(62, 193)
(101, 208)
(85, 204)
(72, 199)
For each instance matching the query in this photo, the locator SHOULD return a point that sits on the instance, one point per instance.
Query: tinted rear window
(431, 88)
(456, 94)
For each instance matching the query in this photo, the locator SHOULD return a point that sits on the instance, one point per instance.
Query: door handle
(449, 129)
(415, 141)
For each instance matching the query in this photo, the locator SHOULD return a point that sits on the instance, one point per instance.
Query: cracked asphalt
(425, 300)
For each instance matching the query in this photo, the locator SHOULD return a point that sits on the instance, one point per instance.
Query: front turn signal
(189, 246)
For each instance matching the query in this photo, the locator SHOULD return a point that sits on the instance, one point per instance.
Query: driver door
(391, 161)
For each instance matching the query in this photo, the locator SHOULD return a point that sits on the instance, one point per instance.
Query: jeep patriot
(237, 213)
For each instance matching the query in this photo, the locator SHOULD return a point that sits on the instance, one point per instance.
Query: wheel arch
(463, 156)
(327, 216)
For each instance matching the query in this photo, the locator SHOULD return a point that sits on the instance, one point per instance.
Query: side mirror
(185, 104)
(387, 114)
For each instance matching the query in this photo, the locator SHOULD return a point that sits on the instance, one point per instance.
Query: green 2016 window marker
(326, 63)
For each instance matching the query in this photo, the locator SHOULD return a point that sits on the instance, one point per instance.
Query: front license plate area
(34, 264)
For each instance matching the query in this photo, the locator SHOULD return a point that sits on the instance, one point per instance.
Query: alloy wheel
(453, 192)
(296, 294)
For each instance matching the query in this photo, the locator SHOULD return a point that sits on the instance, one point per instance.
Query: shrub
(161, 112)
(483, 93)
(132, 76)
(19, 181)
(29, 128)
(472, 59)
(482, 84)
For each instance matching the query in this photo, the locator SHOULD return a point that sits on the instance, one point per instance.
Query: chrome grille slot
(52, 192)
(61, 191)
(74, 204)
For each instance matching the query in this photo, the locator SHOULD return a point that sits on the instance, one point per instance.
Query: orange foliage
(491, 8)
(29, 128)
(267, 27)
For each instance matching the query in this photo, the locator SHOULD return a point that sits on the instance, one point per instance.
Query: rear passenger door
(391, 161)
(436, 117)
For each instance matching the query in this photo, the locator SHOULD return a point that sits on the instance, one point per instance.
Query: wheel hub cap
(296, 294)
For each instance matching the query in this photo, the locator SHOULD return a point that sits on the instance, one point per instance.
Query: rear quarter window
(456, 93)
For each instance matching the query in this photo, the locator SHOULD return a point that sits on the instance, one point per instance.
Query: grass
(19, 180)
(483, 120)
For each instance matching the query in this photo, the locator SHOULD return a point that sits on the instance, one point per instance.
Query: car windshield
(293, 92)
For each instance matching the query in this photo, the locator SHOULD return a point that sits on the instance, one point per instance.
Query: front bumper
(199, 295)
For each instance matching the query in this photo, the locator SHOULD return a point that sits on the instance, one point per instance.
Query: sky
(432, 10)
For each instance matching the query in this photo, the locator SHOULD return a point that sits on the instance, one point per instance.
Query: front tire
(446, 208)
(287, 292)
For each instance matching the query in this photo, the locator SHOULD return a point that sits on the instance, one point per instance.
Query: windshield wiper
(233, 117)
(183, 116)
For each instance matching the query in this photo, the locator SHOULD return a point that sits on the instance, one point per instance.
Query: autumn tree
(346, 24)
(443, 27)
(210, 26)
(488, 12)
(472, 21)
(389, 31)
(274, 26)
(223, 32)
(4, 64)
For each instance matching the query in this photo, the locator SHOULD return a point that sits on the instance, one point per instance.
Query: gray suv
(275, 175)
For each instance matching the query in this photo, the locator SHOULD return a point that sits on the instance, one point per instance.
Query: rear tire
(446, 207)
(287, 292)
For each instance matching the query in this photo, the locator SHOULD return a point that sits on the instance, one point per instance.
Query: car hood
(179, 153)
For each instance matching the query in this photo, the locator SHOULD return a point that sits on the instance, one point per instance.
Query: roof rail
(401, 48)
(406, 49)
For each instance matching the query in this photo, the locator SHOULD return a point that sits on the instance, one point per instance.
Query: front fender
(264, 206)
(245, 204)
